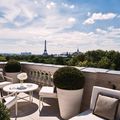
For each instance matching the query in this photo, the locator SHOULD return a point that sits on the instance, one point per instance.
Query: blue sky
(65, 24)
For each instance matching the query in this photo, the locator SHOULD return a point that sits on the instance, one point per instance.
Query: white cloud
(32, 39)
(90, 41)
(51, 5)
(2, 21)
(11, 13)
(100, 39)
(26, 11)
(98, 30)
(36, 2)
(68, 6)
(110, 28)
(109, 40)
(72, 6)
(15, 11)
(99, 16)
(65, 4)
(88, 14)
(71, 20)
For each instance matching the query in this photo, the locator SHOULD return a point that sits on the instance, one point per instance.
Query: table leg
(31, 96)
(40, 104)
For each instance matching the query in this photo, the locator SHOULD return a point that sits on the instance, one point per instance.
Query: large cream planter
(13, 75)
(69, 102)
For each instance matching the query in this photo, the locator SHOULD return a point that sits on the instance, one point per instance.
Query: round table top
(18, 87)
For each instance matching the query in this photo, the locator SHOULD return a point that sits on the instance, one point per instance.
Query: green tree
(59, 61)
(94, 55)
(2, 58)
(35, 59)
(73, 61)
(115, 58)
(87, 64)
(76, 59)
(104, 63)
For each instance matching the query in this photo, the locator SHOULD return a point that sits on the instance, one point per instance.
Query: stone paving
(30, 111)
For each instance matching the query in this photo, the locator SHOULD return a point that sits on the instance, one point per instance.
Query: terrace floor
(30, 111)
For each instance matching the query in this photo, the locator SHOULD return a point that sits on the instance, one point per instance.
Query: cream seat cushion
(87, 115)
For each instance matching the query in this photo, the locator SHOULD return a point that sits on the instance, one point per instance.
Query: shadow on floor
(27, 110)
(51, 110)
(24, 109)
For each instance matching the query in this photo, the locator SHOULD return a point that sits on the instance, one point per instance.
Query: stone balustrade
(39, 73)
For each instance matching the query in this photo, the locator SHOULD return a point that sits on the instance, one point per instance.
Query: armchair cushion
(106, 107)
(2, 84)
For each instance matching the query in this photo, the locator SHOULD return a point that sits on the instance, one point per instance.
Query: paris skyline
(66, 25)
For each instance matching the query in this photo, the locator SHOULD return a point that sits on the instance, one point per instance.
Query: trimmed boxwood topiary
(4, 112)
(12, 66)
(68, 78)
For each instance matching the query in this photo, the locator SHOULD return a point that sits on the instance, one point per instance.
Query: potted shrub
(4, 112)
(12, 69)
(69, 82)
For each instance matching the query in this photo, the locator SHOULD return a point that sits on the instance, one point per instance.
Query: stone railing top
(41, 64)
(84, 69)
(114, 72)
(94, 70)
(2, 63)
(80, 68)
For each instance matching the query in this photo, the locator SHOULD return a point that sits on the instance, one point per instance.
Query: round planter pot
(69, 102)
(13, 75)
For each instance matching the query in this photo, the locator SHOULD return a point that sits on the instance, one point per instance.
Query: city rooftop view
(60, 59)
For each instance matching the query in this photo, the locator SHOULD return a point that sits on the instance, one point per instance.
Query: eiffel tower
(45, 50)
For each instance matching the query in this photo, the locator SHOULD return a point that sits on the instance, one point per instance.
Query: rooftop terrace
(40, 74)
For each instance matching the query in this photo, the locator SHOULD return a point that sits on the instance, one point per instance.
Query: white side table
(46, 92)
(27, 87)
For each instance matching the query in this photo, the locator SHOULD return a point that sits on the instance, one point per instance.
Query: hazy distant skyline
(65, 24)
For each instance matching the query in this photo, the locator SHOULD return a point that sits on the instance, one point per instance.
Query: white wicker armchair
(10, 100)
(5, 80)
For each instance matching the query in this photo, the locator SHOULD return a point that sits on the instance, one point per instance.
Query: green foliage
(4, 112)
(73, 61)
(95, 58)
(104, 63)
(87, 64)
(99, 59)
(68, 78)
(36, 60)
(59, 61)
(12, 66)
(94, 55)
(2, 58)
(76, 59)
